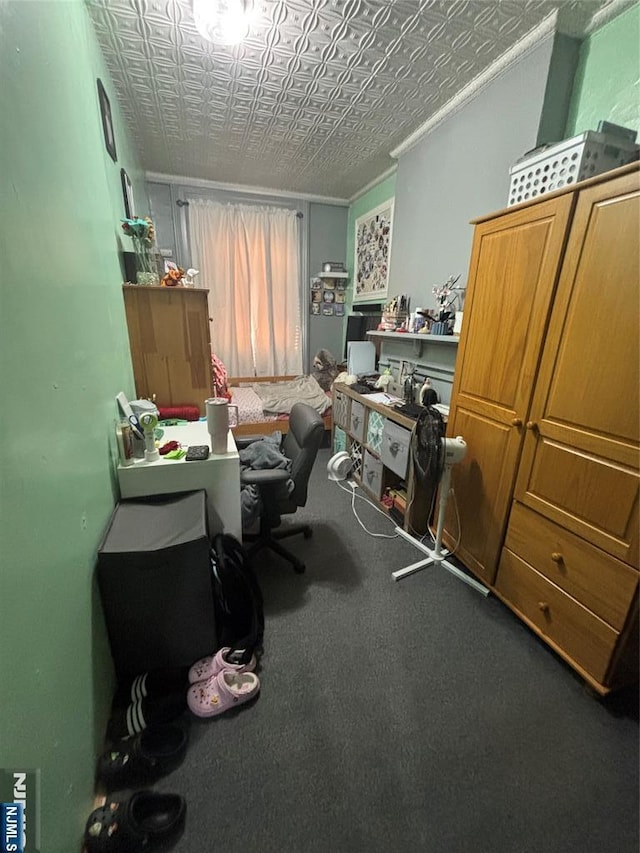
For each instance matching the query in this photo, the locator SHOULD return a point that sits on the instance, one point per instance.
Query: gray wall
(459, 171)
(164, 212)
(327, 242)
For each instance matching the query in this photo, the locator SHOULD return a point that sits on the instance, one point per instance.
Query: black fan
(434, 456)
(428, 451)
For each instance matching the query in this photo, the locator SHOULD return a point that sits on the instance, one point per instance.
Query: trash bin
(155, 582)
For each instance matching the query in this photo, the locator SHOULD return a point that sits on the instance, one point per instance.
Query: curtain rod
(183, 203)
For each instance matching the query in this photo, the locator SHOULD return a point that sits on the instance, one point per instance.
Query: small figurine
(173, 278)
(383, 381)
(428, 395)
(190, 276)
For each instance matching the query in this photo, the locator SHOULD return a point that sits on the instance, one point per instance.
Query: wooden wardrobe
(546, 396)
(170, 348)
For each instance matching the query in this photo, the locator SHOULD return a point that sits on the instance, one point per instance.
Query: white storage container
(340, 409)
(372, 474)
(583, 156)
(396, 443)
(357, 420)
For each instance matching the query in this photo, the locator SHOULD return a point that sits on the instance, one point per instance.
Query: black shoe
(144, 822)
(143, 758)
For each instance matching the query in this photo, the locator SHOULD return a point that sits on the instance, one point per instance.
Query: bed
(257, 412)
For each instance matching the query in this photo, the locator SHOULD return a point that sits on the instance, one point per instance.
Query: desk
(219, 475)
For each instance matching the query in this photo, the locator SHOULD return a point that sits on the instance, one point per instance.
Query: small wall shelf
(333, 275)
(418, 340)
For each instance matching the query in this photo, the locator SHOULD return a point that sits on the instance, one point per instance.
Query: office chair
(301, 445)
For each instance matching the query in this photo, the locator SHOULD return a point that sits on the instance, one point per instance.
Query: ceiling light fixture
(222, 21)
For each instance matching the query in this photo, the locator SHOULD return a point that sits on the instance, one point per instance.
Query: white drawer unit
(357, 420)
(396, 444)
(372, 474)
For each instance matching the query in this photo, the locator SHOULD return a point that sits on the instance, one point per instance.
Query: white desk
(219, 475)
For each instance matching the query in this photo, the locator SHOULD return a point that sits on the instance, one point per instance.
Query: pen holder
(218, 422)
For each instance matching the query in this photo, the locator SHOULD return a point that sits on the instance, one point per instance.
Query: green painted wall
(65, 354)
(372, 198)
(607, 82)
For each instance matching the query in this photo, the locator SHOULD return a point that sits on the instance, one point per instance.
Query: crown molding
(202, 183)
(365, 189)
(606, 14)
(520, 49)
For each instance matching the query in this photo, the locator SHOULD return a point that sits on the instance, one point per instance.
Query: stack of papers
(385, 399)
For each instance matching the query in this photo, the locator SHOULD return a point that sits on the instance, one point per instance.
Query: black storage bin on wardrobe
(155, 583)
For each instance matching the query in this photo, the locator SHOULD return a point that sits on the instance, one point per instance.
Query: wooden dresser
(546, 396)
(170, 348)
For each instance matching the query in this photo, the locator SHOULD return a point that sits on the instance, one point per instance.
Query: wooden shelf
(332, 275)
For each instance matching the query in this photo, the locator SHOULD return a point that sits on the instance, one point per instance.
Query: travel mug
(218, 423)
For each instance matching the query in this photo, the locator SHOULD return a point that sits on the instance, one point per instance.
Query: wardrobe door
(580, 457)
(513, 272)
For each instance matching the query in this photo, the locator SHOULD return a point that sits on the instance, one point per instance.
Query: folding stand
(437, 556)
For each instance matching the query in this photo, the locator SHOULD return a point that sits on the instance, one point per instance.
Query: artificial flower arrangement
(142, 233)
(140, 229)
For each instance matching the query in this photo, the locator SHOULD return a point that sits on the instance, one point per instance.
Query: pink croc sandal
(222, 692)
(205, 668)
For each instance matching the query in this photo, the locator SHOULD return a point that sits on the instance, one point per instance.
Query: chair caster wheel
(308, 533)
(299, 568)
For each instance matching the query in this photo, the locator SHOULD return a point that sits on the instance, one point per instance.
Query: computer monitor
(361, 357)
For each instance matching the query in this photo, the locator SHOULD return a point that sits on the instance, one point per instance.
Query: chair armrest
(246, 440)
(266, 477)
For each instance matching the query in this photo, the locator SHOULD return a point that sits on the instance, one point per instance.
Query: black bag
(238, 599)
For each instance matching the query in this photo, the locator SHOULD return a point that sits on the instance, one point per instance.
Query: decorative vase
(146, 273)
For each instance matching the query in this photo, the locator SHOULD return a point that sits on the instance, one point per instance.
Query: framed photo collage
(328, 296)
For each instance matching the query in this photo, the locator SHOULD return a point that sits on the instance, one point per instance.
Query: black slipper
(143, 822)
(141, 759)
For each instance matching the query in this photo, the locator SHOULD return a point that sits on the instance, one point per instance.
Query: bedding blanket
(280, 397)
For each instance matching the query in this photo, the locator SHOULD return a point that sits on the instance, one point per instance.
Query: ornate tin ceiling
(317, 95)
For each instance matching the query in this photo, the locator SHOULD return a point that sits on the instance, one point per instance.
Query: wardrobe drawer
(599, 581)
(357, 420)
(558, 618)
(372, 474)
(396, 442)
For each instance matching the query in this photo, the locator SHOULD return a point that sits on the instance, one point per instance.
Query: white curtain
(248, 257)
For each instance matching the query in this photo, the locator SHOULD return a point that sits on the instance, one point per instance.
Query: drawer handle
(532, 425)
(557, 557)
(516, 422)
(543, 606)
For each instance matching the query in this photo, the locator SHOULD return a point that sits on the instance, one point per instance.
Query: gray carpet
(410, 716)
